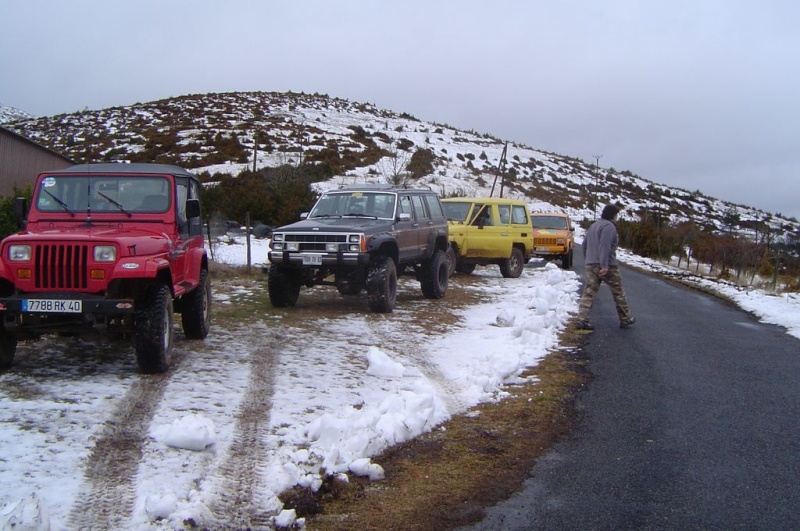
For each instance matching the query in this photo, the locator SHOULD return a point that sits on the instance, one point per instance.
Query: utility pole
(596, 181)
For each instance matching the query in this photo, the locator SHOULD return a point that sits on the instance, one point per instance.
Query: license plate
(312, 259)
(543, 249)
(52, 306)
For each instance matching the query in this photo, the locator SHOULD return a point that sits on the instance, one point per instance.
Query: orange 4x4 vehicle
(553, 237)
(112, 246)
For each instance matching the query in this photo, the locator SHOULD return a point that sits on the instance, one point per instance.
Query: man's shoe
(626, 323)
(584, 325)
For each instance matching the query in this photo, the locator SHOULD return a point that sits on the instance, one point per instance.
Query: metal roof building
(22, 160)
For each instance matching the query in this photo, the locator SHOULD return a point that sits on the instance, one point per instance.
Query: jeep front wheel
(382, 285)
(435, 275)
(512, 267)
(8, 347)
(153, 319)
(196, 311)
(283, 287)
(566, 260)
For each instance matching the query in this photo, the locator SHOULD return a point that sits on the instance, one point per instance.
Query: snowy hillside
(215, 134)
(10, 114)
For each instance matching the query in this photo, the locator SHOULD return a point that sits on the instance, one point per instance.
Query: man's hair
(610, 212)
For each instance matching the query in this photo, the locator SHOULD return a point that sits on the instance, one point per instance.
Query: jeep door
(520, 227)
(407, 230)
(488, 237)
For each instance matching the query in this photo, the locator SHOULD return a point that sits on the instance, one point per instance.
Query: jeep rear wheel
(435, 275)
(8, 347)
(153, 329)
(283, 286)
(196, 310)
(382, 285)
(512, 267)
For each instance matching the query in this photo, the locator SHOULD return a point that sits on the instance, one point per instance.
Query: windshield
(549, 222)
(367, 204)
(103, 193)
(456, 211)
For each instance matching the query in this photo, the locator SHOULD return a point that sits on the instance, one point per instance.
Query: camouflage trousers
(591, 283)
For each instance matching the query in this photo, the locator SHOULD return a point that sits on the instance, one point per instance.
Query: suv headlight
(19, 253)
(105, 253)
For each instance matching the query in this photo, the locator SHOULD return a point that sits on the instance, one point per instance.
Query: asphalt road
(692, 421)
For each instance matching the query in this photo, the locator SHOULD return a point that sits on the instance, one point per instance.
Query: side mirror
(192, 208)
(304, 215)
(20, 208)
(404, 216)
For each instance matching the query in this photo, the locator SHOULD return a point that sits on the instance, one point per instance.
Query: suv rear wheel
(434, 276)
(153, 329)
(512, 267)
(283, 287)
(382, 284)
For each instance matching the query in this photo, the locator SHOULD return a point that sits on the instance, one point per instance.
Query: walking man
(600, 250)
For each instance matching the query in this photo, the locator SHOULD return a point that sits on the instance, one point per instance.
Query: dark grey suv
(360, 238)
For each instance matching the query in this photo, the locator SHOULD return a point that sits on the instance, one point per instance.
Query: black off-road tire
(350, 284)
(566, 260)
(435, 275)
(196, 309)
(283, 286)
(382, 284)
(8, 347)
(153, 320)
(452, 259)
(465, 268)
(512, 267)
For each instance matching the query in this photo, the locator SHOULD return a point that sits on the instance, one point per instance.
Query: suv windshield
(549, 222)
(457, 211)
(103, 193)
(370, 204)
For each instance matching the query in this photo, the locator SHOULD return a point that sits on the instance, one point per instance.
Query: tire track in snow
(108, 499)
(240, 479)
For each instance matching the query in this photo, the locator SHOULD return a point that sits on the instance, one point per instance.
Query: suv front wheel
(434, 276)
(283, 287)
(153, 329)
(512, 267)
(382, 284)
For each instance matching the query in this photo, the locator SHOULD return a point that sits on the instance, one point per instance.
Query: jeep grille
(315, 242)
(545, 241)
(60, 266)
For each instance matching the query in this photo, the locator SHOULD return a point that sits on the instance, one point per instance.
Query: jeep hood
(346, 224)
(131, 241)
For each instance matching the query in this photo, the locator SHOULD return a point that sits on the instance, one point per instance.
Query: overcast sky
(700, 94)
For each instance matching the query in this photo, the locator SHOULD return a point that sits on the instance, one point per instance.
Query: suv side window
(519, 215)
(434, 206)
(405, 206)
(484, 217)
(505, 213)
(419, 207)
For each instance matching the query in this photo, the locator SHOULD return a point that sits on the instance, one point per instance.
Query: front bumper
(59, 305)
(306, 259)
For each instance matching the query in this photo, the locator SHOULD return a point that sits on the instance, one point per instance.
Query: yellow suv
(489, 230)
(553, 237)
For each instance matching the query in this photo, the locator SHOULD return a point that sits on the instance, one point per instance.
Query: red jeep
(114, 246)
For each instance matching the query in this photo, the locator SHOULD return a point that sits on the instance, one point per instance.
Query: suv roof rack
(383, 186)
